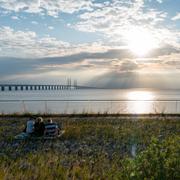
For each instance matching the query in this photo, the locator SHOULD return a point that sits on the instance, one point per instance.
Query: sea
(75, 101)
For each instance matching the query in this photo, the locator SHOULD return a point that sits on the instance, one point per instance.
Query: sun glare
(140, 95)
(140, 41)
(141, 102)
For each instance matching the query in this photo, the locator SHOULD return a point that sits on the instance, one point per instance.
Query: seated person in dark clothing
(51, 128)
(39, 127)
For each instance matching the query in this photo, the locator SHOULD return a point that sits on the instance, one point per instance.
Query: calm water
(91, 101)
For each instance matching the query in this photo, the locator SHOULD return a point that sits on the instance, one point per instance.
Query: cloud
(112, 19)
(114, 79)
(114, 68)
(14, 18)
(159, 1)
(32, 55)
(177, 17)
(19, 66)
(165, 50)
(34, 22)
(50, 27)
(50, 52)
(116, 19)
(117, 16)
(128, 66)
(28, 44)
(49, 7)
(114, 59)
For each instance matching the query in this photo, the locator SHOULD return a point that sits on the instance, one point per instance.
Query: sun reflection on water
(140, 102)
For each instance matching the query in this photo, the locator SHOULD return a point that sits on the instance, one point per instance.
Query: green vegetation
(94, 148)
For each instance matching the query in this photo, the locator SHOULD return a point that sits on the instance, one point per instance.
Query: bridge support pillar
(2, 88)
(10, 88)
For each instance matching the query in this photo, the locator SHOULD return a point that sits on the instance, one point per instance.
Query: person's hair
(49, 120)
(39, 119)
(31, 117)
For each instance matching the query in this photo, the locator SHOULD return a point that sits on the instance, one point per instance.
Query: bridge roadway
(22, 87)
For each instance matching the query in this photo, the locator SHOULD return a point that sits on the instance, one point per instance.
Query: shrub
(160, 161)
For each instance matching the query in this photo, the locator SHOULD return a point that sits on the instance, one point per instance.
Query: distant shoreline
(94, 115)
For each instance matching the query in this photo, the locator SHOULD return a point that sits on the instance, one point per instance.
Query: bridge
(35, 87)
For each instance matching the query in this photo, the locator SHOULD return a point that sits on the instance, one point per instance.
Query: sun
(140, 41)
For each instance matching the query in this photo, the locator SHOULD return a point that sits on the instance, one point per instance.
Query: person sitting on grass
(39, 127)
(51, 129)
(29, 129)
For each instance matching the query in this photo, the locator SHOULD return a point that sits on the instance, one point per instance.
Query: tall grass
(94, 148)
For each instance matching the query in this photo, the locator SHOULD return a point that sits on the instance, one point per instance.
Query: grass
(94, 147)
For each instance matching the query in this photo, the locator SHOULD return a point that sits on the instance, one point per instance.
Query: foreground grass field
(94, 148)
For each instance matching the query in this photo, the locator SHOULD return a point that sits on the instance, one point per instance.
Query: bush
(160, 161)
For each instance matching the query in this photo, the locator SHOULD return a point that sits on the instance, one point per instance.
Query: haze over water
(91, 101)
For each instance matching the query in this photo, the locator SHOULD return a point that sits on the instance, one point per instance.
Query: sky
(101, 43)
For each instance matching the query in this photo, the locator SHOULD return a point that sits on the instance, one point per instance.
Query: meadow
(94, 147)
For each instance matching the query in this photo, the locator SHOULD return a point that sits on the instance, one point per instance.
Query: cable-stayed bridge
(36, 87)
